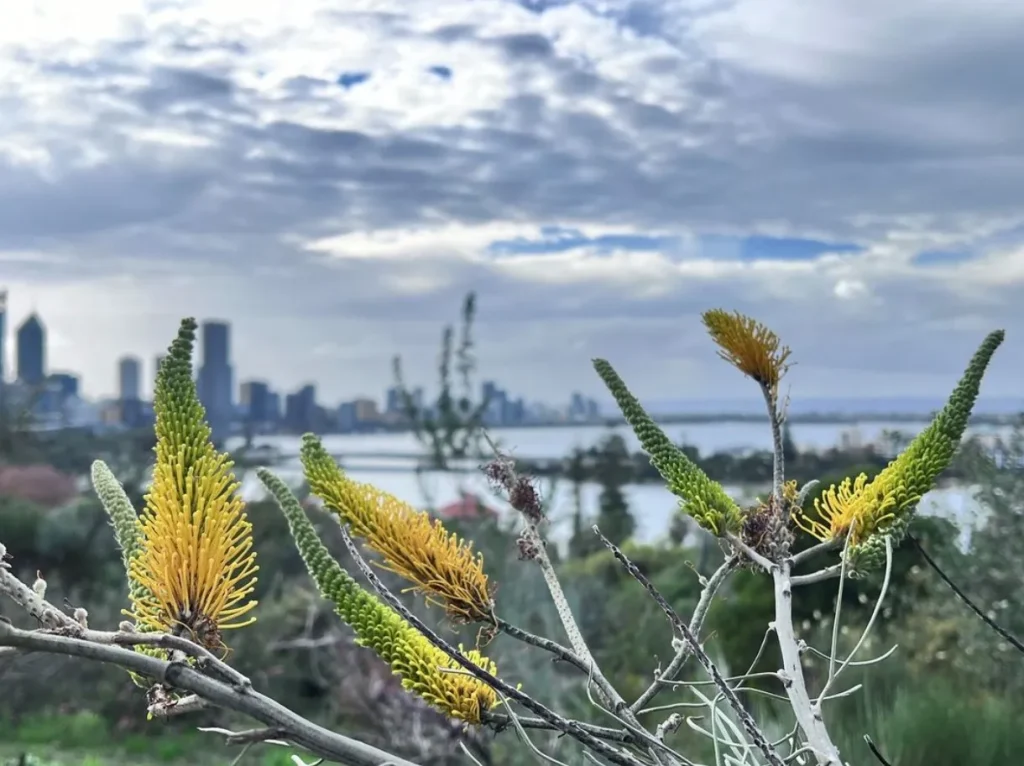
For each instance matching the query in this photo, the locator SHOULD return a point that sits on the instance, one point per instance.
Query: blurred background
(947, 695)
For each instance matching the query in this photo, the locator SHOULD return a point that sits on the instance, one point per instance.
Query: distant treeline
(730, 467)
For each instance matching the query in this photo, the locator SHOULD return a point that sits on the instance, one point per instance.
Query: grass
(85, 739)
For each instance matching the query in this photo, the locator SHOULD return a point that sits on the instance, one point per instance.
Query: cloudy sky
(851, 172)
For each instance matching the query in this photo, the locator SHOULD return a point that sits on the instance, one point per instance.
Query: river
(652, 505)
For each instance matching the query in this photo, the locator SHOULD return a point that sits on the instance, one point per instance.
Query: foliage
(190, 561)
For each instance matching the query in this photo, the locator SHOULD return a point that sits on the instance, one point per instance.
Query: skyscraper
(129, 394)
(215, 378)
(129, 375)
(32, 351)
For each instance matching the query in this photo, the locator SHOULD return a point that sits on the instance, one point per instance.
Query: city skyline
(215, 384)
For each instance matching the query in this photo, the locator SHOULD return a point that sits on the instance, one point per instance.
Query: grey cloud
(525, 46)
(171, 87)
(730, 158)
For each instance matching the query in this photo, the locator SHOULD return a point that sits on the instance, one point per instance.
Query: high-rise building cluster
(55, 400)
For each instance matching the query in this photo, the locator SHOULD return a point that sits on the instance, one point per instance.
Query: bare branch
(698, 651)
(560, 652)
(179, 675)
(814, 550)
(875, 751)
(572, 728)
(796, 687)
(500, 721)
(696, 623)
(820, 576)
(1005, 634)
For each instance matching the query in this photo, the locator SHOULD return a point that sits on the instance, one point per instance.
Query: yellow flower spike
(749, 346)
(438, 564)
(196, 568)
(424, 669)
(887, 502)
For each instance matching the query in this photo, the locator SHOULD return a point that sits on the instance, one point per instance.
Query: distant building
(393, 400)
(274, 406)
(58, 399)
(129, 390)
(65, 383)
(347, 420)
(215, 382)
(129, 376)
(254, 396)
(467, 507)
(496, 400)
(32, 351)
(301, 413)
(366, 411)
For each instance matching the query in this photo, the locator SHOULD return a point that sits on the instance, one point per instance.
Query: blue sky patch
(770, 248)
(556, 239)
(940, 257)
(349, 80)
(445, 73)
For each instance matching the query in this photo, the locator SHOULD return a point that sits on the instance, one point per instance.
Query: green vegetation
(950, 696)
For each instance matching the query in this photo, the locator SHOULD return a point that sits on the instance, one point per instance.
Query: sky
(333, 177)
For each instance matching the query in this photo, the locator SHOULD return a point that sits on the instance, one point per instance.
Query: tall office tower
(129, 390)
(215, 378)
(129, 376)
(32, 351)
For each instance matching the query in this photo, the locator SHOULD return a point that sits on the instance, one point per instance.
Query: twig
(178, 675)
(1005, 634)
(750, 553)
(820, 576)
(272, 735)
(535, 543)
(500, 721)
(778, 450)
(867, 629)
(874, 751)
(570, 727)
(696, 623)
(698, 651)
(839, 610)
(814, 550)
(560, 652)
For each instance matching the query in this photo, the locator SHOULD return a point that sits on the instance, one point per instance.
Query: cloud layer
(850, 172)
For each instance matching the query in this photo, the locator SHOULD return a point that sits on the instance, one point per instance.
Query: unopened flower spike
(423, 668)
(703, 499)
(197, 567)
(127, 529)
(884, 505)
(437, 563)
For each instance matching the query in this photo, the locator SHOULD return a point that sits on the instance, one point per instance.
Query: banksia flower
(438, 564)
(886, 503)
(423, 668)
(196, 563)
(749, 346)
(703, 499)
